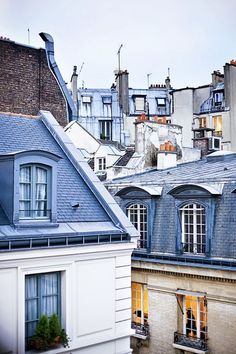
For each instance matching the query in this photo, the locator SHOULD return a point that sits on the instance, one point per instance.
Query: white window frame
(190, 229)
(50, 161)
(161, 101)
(139, 210)
(33, 212)
(107, 109)
(139, 103)
(101, 163)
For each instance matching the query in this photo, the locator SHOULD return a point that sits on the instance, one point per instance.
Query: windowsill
(140, 336)
(60, 349)
(189, 349)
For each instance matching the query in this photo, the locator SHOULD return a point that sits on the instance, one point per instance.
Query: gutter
(49, 47)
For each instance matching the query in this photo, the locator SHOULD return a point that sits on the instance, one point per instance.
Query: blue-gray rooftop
(97, 212)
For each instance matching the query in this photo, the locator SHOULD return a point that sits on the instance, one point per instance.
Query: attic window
(35, 189)
(139, 103)
(86, 99)
(161, 102)
(106, 99)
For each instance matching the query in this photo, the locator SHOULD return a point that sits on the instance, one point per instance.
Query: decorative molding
(184, 275)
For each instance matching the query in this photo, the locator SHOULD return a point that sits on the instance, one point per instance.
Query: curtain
(31, 305)
(49, 293)
(41, 298)
(25, 191)
(41, 192)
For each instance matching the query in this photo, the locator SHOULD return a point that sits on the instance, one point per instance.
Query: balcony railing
(35, 214)
(142, 243)
(190, 342)
(141, 329)
(194, 248)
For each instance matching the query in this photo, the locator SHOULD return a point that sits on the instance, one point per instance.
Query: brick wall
(27, 84)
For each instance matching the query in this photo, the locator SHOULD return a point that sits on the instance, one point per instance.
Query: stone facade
(27, 85)
(185, 286)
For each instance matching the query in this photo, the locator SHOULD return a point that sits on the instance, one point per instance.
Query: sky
(191, 37)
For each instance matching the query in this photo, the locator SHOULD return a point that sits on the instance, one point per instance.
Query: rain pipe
(49, 47)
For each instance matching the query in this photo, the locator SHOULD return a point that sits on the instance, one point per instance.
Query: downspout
(49, 47)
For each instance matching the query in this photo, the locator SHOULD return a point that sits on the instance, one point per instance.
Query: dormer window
(193, 222)
(139, 102)
(34, 194)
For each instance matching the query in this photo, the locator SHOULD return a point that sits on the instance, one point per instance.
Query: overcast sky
(191, 37)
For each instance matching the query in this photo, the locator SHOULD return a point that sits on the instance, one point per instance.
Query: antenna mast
(28, 36)
(118, 53)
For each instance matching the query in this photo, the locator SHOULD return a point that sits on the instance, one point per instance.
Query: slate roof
(123, 160)
(213, 168)
(75, 179)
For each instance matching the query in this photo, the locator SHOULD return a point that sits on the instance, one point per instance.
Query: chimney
(122, 80)
(166, 156)
(217, 77)
(167, 83)
(74, 86)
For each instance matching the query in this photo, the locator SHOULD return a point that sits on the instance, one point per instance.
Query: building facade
(208, 111)
(65, 244)
(110, 114)
(30, 81)
(183, 271)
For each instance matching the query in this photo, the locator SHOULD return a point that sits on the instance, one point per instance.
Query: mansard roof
(211, 170)
(75, 181)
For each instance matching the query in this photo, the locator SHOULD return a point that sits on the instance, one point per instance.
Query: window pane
(137, 214)
(42, 295)
(193, 230)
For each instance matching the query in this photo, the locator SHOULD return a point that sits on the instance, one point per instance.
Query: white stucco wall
(96, 297)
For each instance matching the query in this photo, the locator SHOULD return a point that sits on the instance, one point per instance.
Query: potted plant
(49, 334)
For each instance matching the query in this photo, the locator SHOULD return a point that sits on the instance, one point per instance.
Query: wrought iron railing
(194, 248)
(35, 214)
(141, 329)
(142, 243)
(191, 342)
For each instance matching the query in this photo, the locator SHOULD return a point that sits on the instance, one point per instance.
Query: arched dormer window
(35, 192)
(137, 214)
(193, 227)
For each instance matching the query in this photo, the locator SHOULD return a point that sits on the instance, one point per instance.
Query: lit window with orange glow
(139, 304)
(217, 123)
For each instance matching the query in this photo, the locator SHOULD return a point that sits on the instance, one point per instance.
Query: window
(195, 316)
(137, 214)
(193, 224)
(106, 106)
(139, 307)
(105, 129)
(161, 102)
(34, 192)
(139, 104)
(218, 98)
(192, 321)
(101, 163)
(42, 297)
(202, 122)
(217, 122)
(87, 106)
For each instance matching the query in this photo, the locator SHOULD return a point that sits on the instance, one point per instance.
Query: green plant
(54, 327)
(42, 333)
(49, 334)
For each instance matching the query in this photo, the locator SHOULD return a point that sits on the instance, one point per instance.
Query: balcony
(190, 344)
(141, 330)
